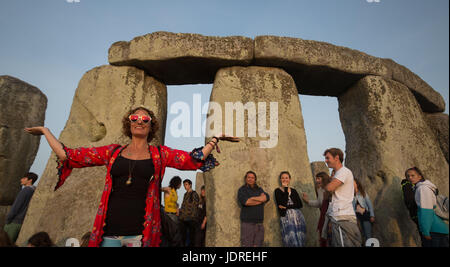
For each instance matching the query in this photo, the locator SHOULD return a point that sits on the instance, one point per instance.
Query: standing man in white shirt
(345, 231)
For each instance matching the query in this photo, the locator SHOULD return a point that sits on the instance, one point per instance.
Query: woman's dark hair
(187, 181)
(283, 172)
(360, 188)
(416, 170)
(326, 179)
(175, 182)
(154, 125)
(41, 239)
(245, 177)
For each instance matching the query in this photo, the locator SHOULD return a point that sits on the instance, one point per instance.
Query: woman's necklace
(130, 170)
(131, 165)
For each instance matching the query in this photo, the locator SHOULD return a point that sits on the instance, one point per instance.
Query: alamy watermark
(261, 120)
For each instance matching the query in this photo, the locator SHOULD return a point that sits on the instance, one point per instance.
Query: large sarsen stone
(260, 86)
(21, 105)
(103, 97)
(386, 133)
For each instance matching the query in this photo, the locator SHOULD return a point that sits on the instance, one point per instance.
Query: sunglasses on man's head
(135, 118)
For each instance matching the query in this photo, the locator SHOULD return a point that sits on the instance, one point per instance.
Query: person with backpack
(433, 230)
(409, 200)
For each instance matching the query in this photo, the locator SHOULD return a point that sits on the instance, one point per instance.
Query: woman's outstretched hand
(52, 141)
(225, 137)
(39, 130)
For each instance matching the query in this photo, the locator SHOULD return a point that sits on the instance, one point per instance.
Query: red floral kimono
(106, 155)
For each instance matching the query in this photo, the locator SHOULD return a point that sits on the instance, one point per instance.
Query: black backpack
(409, 199)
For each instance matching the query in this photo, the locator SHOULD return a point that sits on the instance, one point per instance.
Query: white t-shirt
(342, 200)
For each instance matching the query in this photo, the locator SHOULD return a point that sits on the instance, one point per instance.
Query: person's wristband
(209, 143)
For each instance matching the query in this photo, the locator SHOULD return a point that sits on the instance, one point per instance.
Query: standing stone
(439, 124)
(386, 134)
(103, 97)
(21, 105)
(3, 212)
(199, 182)
(319, 166)
(259, 86)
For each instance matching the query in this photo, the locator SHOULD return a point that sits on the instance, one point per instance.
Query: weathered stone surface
(428, 99)
(439, 124)
(320, 68)
(182, 58)
(21, 105)
(386, 134)
(199, 181)
(104, 95)
(319, 166)
(3, 212)
(265, 85)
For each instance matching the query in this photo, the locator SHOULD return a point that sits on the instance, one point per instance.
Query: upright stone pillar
(439, 125)
(386, 133)
(199, 182)
(103, 97)
(270, 98)
(21, 105)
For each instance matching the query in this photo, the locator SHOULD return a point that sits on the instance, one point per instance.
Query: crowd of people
(129, 214)
(346, 211)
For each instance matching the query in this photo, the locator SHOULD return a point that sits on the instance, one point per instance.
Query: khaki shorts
(13, 230)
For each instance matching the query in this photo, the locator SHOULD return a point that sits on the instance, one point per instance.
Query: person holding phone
(293, 225)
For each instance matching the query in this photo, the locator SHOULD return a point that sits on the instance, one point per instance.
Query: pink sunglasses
(135, 118)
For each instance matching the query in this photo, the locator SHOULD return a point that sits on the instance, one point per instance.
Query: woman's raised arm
(51, 139)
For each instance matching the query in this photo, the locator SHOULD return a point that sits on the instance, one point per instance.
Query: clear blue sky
(52, 43)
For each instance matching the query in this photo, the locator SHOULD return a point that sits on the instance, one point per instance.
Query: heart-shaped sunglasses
(135, 118)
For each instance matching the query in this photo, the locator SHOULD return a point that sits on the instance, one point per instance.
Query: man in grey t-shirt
(16, 214)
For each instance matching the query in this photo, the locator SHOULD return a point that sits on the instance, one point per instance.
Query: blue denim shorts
(122, 241)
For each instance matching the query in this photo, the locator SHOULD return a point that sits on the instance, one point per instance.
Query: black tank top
(126, 205)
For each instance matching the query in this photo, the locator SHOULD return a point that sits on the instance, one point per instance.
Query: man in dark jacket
(18, 210)
(252, 199)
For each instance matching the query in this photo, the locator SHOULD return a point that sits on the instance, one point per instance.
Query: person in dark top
(409, 199)
(16, 214)
(252, 199)
(129, 212)
(293, 225)
(127, 202)
(201, 231)
(189, 214)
